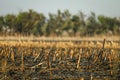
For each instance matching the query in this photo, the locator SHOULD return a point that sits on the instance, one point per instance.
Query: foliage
(61, 24)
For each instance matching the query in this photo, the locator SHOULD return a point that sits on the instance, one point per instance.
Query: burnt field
(59, 59)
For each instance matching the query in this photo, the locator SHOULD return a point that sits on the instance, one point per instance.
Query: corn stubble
(60, 60)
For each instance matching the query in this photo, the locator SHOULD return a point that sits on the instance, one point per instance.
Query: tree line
(64, 23)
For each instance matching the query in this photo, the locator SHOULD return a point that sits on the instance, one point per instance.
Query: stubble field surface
(59, 59)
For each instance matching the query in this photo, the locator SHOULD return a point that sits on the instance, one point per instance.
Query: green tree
(30, 22)
(1, 23)
(108, 24)
(91, 25)
(10, 23)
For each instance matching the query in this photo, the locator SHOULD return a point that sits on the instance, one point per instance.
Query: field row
(87, 44)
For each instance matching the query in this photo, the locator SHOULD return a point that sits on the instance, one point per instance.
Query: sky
(100, 7)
